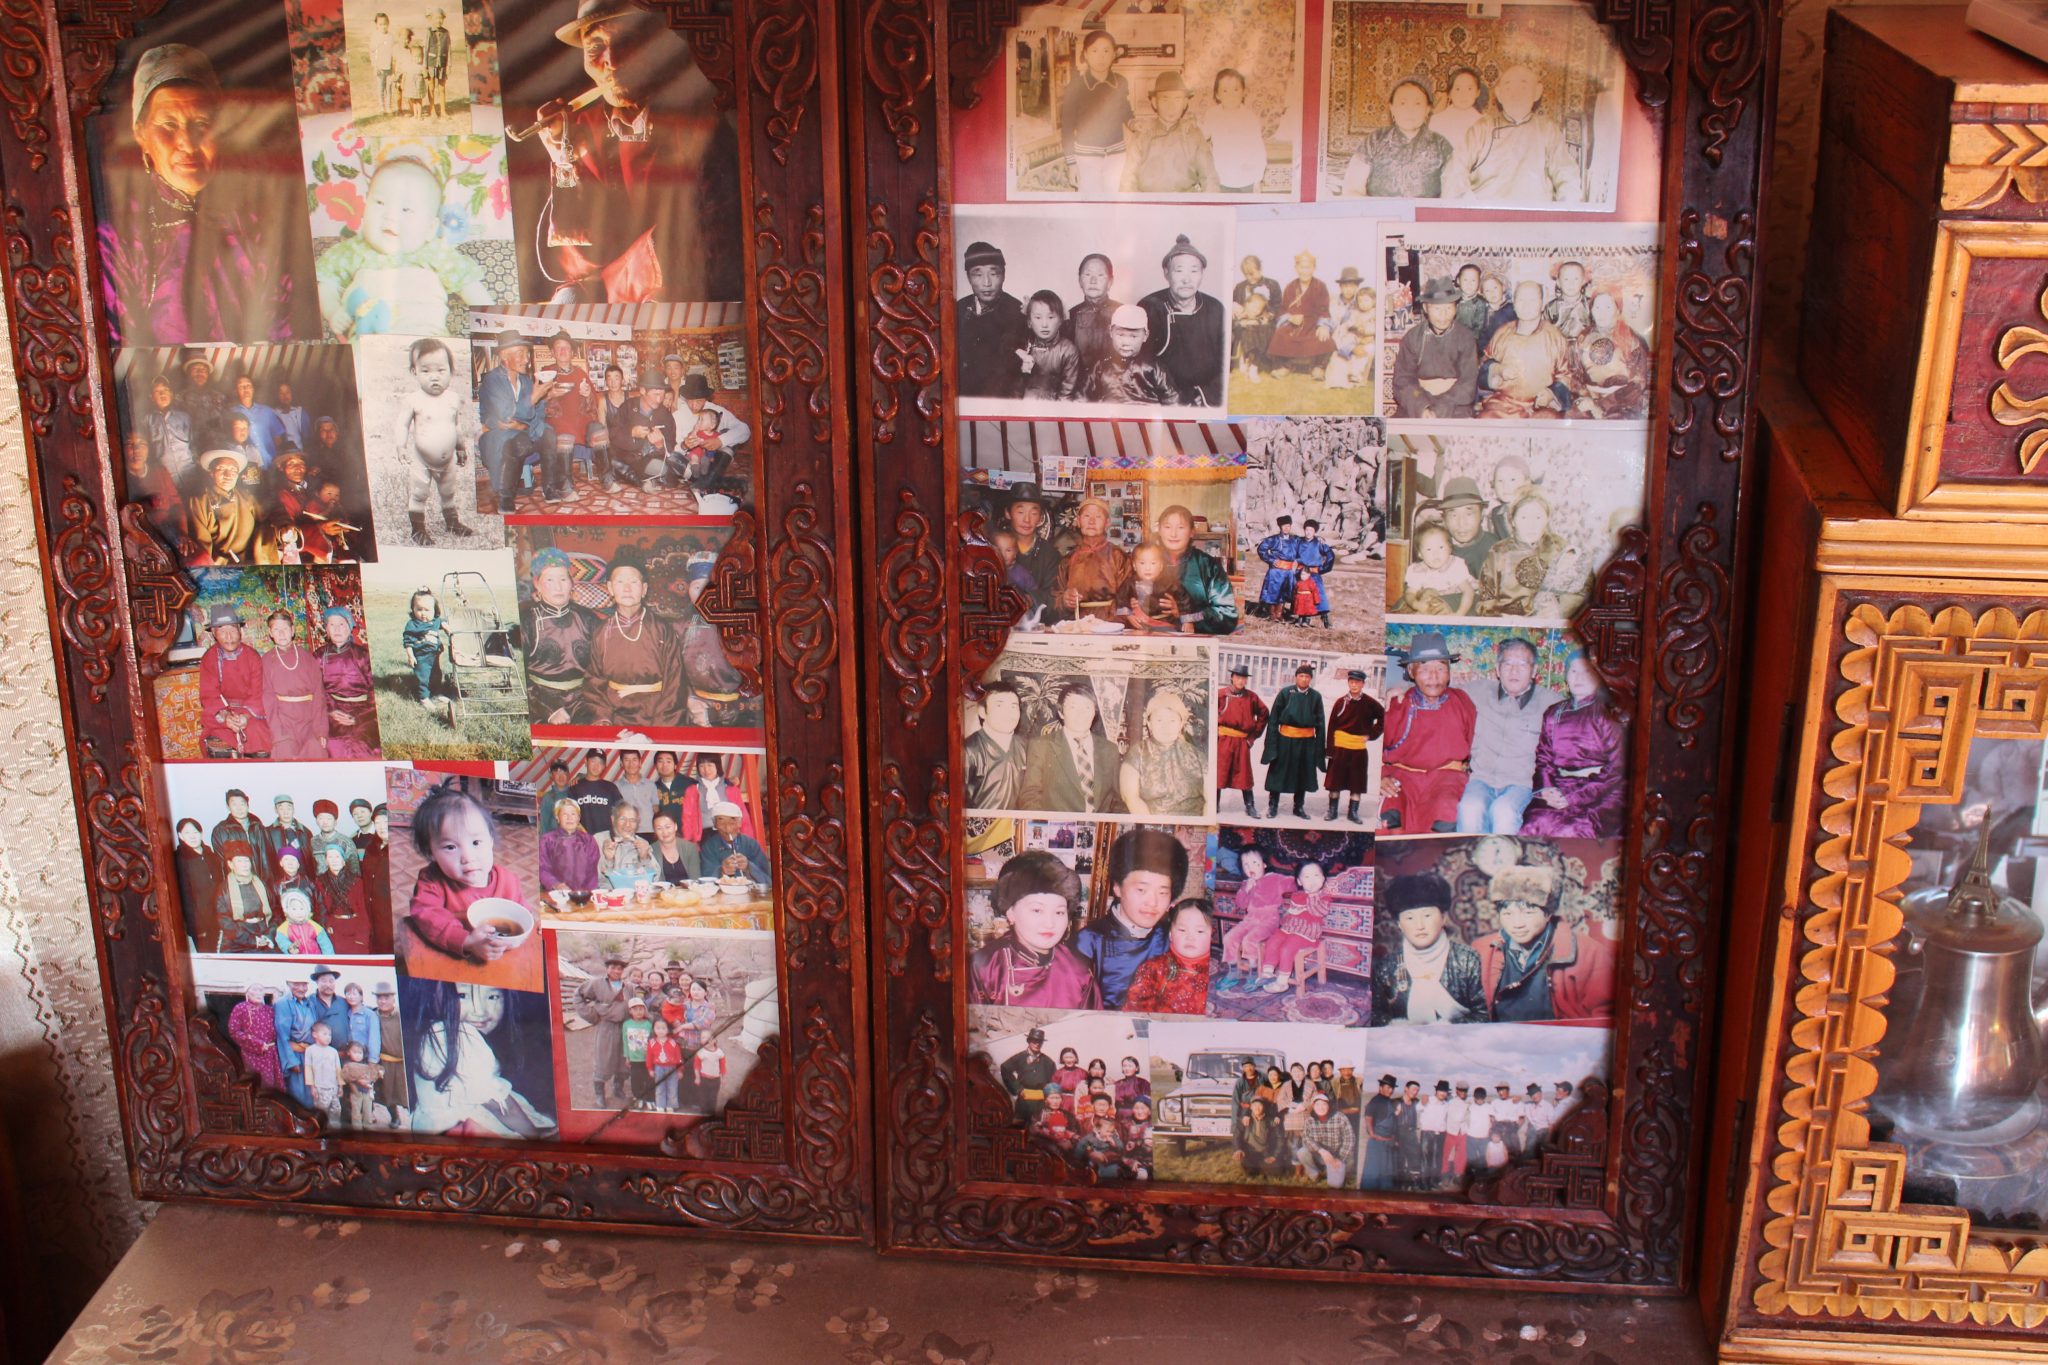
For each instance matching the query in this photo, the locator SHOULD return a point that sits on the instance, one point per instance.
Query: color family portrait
(1096, 1117)
(1298, 737)
(246, 454)
(1304, 314)
(1261, 1104)
(327, 1033)
(1310, 517)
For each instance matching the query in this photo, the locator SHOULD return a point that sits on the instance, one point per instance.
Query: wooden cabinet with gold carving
(1883, 1071)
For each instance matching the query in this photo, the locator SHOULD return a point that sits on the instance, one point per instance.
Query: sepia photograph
(479, 1059)
(1553, 322)
(1088, 727)
(1499, 524)
(408, 67)
(1186, 99)
(1091, 312)
(1510, 106)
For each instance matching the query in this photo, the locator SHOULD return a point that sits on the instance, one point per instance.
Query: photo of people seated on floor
(271, 663)
(647, 838)
(1090, 727)
(1259, 1104)
(288, 858)
(1475, 328)
(246, 454)
(1111, 527)
(616, 647)
(1507, 524)
(643, 409)
(1496, 929)
(1298, 737)
(1100, 314)
(463, 850)
(327, 1033)
(661, 1023)
(1131, 928)
(1097, 1118)
(1450, 1104)
(1307, 341)
(1498, 730)
(1310, 515)
(480, 1059)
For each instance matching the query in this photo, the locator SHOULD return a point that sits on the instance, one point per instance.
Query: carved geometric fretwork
(1843, 1241)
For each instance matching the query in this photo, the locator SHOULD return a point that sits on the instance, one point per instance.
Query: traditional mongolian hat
(1442, 289)
(1428, 647)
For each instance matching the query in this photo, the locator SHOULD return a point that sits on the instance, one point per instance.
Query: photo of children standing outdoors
(461, 874)
(449, 669)
(657, 1023)
(478, 1059)
(408, 66)
(273, 668)
(420, 439)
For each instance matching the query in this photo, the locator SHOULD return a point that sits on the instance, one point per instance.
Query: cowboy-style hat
(512, 338)
(1350, 275)
(1036, 1035)
(589, 12)
(1442, 289)
(1387, 1081)
(1428, 647)
(1027, 492)
(1459, 492)
(224, 614)
(1168, 83)
(1239, 671)
(696, 386)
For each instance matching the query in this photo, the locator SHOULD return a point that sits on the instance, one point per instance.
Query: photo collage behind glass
(1303, 360)
(430, 361)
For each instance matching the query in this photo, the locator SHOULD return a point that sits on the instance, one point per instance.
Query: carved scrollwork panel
(732, 600)
(1841, 1241)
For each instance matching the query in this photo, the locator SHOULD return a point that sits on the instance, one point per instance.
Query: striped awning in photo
(638, 317)
(1137, 450)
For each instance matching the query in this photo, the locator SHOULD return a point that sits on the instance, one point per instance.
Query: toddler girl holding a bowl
(456, 835)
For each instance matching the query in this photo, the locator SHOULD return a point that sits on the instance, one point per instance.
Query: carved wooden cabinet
(1878, 1114)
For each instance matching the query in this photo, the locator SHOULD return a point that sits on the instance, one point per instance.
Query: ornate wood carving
(989, 605)
(913, 613)
(731, 600)
(196, 1121)
(1610, 1202)
(1841, 1241)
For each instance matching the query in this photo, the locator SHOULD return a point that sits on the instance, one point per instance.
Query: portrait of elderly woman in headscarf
(193, 245)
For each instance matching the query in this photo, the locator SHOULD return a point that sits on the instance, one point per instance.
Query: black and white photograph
(1549, 322)
(1079, 727)
(1092, 312)
(1501, 524)
(246, 454)
(1078, 1081)
(1141, 507)
(1304, 313)
(1499, 729)
(1451, 1104)
(1195, 99)
(1298, 737)
(420, 441)
(1496, 928)
(1257, 1104)
(1310, 517)
(1513, 106)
